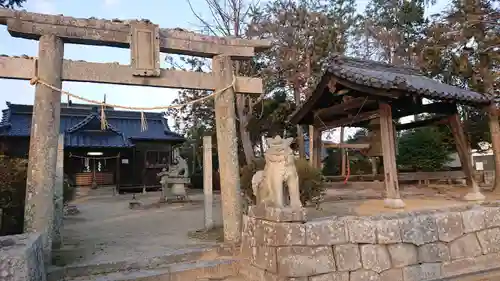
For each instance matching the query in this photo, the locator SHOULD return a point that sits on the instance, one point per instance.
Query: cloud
(44, 6)
(110, 3)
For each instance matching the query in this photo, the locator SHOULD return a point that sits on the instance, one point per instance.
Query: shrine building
(123, 154)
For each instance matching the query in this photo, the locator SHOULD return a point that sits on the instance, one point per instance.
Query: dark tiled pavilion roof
(381, 77)
(385, 76)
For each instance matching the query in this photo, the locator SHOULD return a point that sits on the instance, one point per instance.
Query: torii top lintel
(117, 33)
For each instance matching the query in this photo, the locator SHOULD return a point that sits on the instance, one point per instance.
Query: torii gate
(146, 41)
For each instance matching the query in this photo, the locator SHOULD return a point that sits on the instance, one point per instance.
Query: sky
(166, 13)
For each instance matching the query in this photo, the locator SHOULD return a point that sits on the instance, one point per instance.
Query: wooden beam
(342, 107)
(404, 177)
(422, 123)
(115, 33)
(113, 73)
(363, 116)
(348, 145)
(436, 107)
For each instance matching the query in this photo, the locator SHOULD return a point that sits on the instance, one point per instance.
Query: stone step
(181, 256)
(188, 271)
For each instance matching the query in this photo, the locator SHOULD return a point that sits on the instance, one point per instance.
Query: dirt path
(107, 230)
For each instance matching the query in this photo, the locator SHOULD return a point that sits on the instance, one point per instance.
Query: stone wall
(424, 245)
(21, 258)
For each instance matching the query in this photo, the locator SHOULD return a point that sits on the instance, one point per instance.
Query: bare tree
(229, 18)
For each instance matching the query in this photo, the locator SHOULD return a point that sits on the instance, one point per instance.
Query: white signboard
(479, 166)
(124, 161)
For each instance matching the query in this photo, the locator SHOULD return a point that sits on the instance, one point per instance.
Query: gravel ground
(107, 230)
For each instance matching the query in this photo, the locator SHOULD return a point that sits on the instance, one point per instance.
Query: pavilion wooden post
(227, 147)
(58, 195)
(311, 145)
(318, 148)
(393, 198)
(463, 153)
(208, 181)
(342, 153)
(39, 205)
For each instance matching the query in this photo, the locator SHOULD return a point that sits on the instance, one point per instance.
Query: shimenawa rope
(36, 80)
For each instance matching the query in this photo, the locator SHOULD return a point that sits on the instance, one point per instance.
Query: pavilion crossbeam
(23, 68)
(347, 121)
(436, 107)
(342, 108)
(347, 145)
(422, 123)
(116, 33)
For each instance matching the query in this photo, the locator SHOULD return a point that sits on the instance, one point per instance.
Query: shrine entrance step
(216, 262)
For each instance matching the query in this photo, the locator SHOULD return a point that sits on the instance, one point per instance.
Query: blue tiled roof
(81, 126)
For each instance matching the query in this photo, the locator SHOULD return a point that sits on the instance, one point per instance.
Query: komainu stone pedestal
(267, 234)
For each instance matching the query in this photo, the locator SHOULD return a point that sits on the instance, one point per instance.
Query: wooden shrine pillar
(39, 204)
(311, 145)
(343, 156)
(227, 147)
(318, 148)
(393, 198)
(315, 147)
(465, 159)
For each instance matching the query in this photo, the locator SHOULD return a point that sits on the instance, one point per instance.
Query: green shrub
(310, 181)
(68, 190)
(13, 174)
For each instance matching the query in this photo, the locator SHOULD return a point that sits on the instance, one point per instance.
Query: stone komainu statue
(267, 185)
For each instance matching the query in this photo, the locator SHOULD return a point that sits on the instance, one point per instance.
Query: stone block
(470, 265)
(246, 249)
(264, 257)
(361, 231)
(348, 257)
(489, 239)
(375, 257)
(419, 230)
(251, 273)
(268, 276)
(248, 232)
(395, 274)
(271, 233)
(248, 227)
(403, 254)
(21, 258)
(449, 226)
(492, 217)
(333, 276)
(388, 232)
(433, 252)
(277, 214)
(289, 234)
(422, 272)
(265, 232)
(473, 220)
(298, 261)
(326, 232)
(466, 246)
(365, 275)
